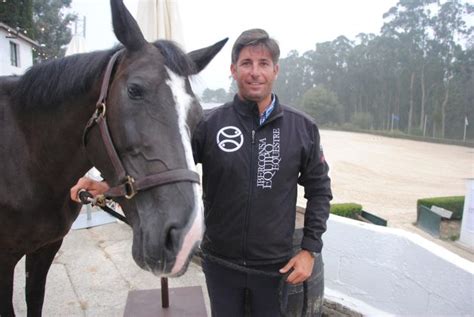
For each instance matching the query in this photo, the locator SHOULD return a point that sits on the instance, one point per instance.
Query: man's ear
(276, 69)
(233, 71)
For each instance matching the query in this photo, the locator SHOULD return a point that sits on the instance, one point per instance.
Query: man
(254, 152)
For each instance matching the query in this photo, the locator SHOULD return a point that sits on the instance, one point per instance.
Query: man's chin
(254, 97)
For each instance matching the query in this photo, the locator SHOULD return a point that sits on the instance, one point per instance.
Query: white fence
(385, 271)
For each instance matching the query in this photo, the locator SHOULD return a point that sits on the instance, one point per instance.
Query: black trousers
(234, 293)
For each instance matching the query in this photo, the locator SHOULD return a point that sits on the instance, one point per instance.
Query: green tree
(18, 14)
(448, 25)
(232, 90)
(51, 27)
(323, 106)
(409, 22)
(292, 79)
(40, 20)
(414, 76)
(210, 95)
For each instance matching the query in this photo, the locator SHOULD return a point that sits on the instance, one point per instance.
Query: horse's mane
(45, 85)
(175, 58)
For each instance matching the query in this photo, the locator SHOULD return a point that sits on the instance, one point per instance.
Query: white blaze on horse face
(183, 103)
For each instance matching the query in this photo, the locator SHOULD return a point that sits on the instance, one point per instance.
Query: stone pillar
(467, 226)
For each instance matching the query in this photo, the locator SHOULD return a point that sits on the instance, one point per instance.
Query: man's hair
(255, 37)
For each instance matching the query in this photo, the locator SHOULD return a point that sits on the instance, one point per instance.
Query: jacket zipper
(249, 199)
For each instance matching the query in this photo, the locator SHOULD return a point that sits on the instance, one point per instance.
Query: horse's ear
(203, 56)
(126, 29)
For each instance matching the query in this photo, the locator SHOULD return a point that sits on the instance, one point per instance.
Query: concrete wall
(25, 55)
(385, 271)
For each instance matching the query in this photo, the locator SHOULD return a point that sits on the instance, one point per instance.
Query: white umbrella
(76, 45)
(159, 19)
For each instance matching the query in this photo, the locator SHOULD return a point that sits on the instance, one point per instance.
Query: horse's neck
(54, 141)
(12, 145)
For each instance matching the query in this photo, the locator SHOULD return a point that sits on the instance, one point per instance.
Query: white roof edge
(13, 31)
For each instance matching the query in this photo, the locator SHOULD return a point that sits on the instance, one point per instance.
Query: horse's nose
(171, 226)
(172, 238)
(160, 247)
(189, 239)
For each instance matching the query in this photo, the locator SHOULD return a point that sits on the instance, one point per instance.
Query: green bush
(416, 131)
(452, 203)
(362, 120)
(348, 210)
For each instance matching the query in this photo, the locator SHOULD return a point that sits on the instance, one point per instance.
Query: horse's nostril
(170, 239)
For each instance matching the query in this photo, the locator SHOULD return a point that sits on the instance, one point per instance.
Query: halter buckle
(130, 190)
(101, 201)
(100, 110)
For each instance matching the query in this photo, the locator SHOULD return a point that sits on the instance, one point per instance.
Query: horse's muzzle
(164, 246)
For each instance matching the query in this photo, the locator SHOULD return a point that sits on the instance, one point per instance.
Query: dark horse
(150, 111)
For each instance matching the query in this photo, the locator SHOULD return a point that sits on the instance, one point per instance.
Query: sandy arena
(388, 175)
(94, 271)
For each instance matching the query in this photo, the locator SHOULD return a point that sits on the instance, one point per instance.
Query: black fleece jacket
(250, 177)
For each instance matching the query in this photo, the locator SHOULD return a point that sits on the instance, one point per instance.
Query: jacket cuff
(311, 245)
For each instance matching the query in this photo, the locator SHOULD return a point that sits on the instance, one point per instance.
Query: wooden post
(165, 298)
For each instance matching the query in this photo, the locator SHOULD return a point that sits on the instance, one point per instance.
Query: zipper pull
(253, 136)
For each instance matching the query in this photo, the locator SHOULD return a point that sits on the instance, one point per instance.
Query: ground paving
(94, 271)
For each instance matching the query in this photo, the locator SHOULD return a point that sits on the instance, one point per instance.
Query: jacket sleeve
(317, 188)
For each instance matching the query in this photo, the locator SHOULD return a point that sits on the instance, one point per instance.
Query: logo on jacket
(230, 139)
(268, 160)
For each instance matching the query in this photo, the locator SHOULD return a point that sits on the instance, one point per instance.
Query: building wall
(25, 55)
(375, 269)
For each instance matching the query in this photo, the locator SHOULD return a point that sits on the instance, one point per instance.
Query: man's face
(255, 73)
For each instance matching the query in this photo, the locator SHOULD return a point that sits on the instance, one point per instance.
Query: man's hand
(92, 186)
(302, 265)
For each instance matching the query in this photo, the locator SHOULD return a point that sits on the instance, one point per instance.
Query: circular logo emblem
(230, 139)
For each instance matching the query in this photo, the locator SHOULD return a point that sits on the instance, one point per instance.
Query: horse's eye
(135, 91)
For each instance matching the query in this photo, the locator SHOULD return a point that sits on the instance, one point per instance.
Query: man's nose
(255, 71)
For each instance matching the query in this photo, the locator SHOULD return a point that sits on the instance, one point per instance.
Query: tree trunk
(443, 108)
(423, 98)
(410, 112)
(388, 110)
(397, 104)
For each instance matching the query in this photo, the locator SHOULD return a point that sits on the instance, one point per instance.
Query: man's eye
(135, 92)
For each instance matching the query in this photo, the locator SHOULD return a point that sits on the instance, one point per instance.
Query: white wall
(376, 269)
(467, 226)
(25, 55)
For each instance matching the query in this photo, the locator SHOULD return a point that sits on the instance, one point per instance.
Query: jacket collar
(250, 108)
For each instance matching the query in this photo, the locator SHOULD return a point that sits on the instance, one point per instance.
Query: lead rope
(281, 284)
(100, 201)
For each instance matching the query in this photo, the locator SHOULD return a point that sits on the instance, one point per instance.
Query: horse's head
(150, 113)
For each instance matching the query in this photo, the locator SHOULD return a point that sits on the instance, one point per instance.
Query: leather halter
(127, 186)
